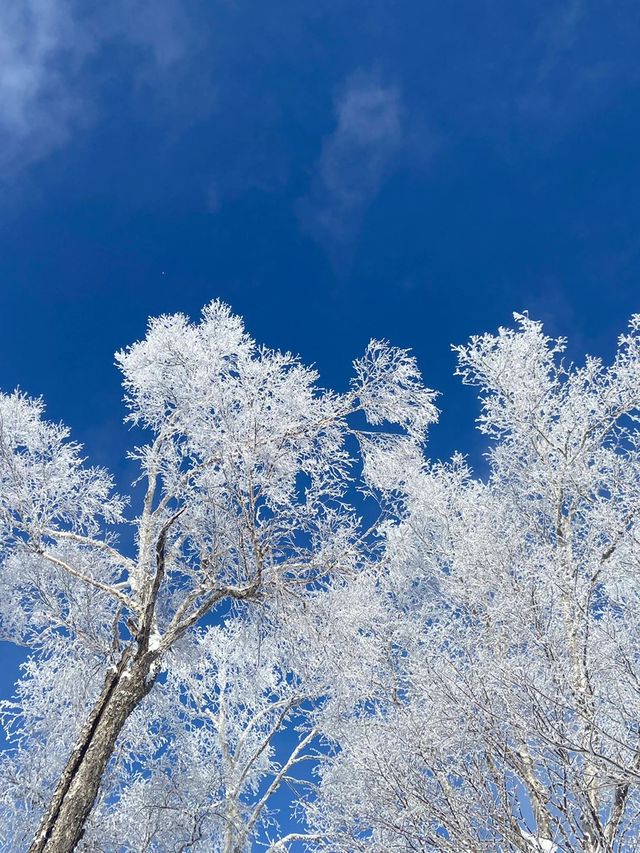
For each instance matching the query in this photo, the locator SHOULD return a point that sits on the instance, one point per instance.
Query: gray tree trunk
(62, 825)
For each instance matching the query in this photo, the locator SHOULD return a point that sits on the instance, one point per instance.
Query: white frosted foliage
(459, 673)
(184, 678)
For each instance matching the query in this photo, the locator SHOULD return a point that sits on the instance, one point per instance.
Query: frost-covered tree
(509, 713)
(150, 713)
(463, 676)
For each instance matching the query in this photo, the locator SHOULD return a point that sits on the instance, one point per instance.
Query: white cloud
(41, 51)
(46, 91)
(356, 158)
(569, 80)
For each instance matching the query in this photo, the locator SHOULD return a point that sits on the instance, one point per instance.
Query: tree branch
(110, 590)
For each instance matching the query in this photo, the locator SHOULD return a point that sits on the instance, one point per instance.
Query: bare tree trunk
(62, 825)
(232, 842)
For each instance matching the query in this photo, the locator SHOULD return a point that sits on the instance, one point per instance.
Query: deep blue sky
(334, 170)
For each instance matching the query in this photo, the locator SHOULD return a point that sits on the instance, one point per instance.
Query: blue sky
(334, 170)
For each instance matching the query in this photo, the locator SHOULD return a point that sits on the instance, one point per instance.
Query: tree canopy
(460, 673)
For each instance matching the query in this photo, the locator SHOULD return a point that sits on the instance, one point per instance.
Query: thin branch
(293, 758)
(150, 604)
(110, 590)
(93, 543)
(281, 845)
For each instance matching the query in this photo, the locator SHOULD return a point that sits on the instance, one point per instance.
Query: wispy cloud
(356, 159)
(571, 74)
(47, 92)
(41, 52)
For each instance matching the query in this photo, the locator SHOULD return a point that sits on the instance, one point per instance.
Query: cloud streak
(47, 91)
(356, 158)
(41, 52)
